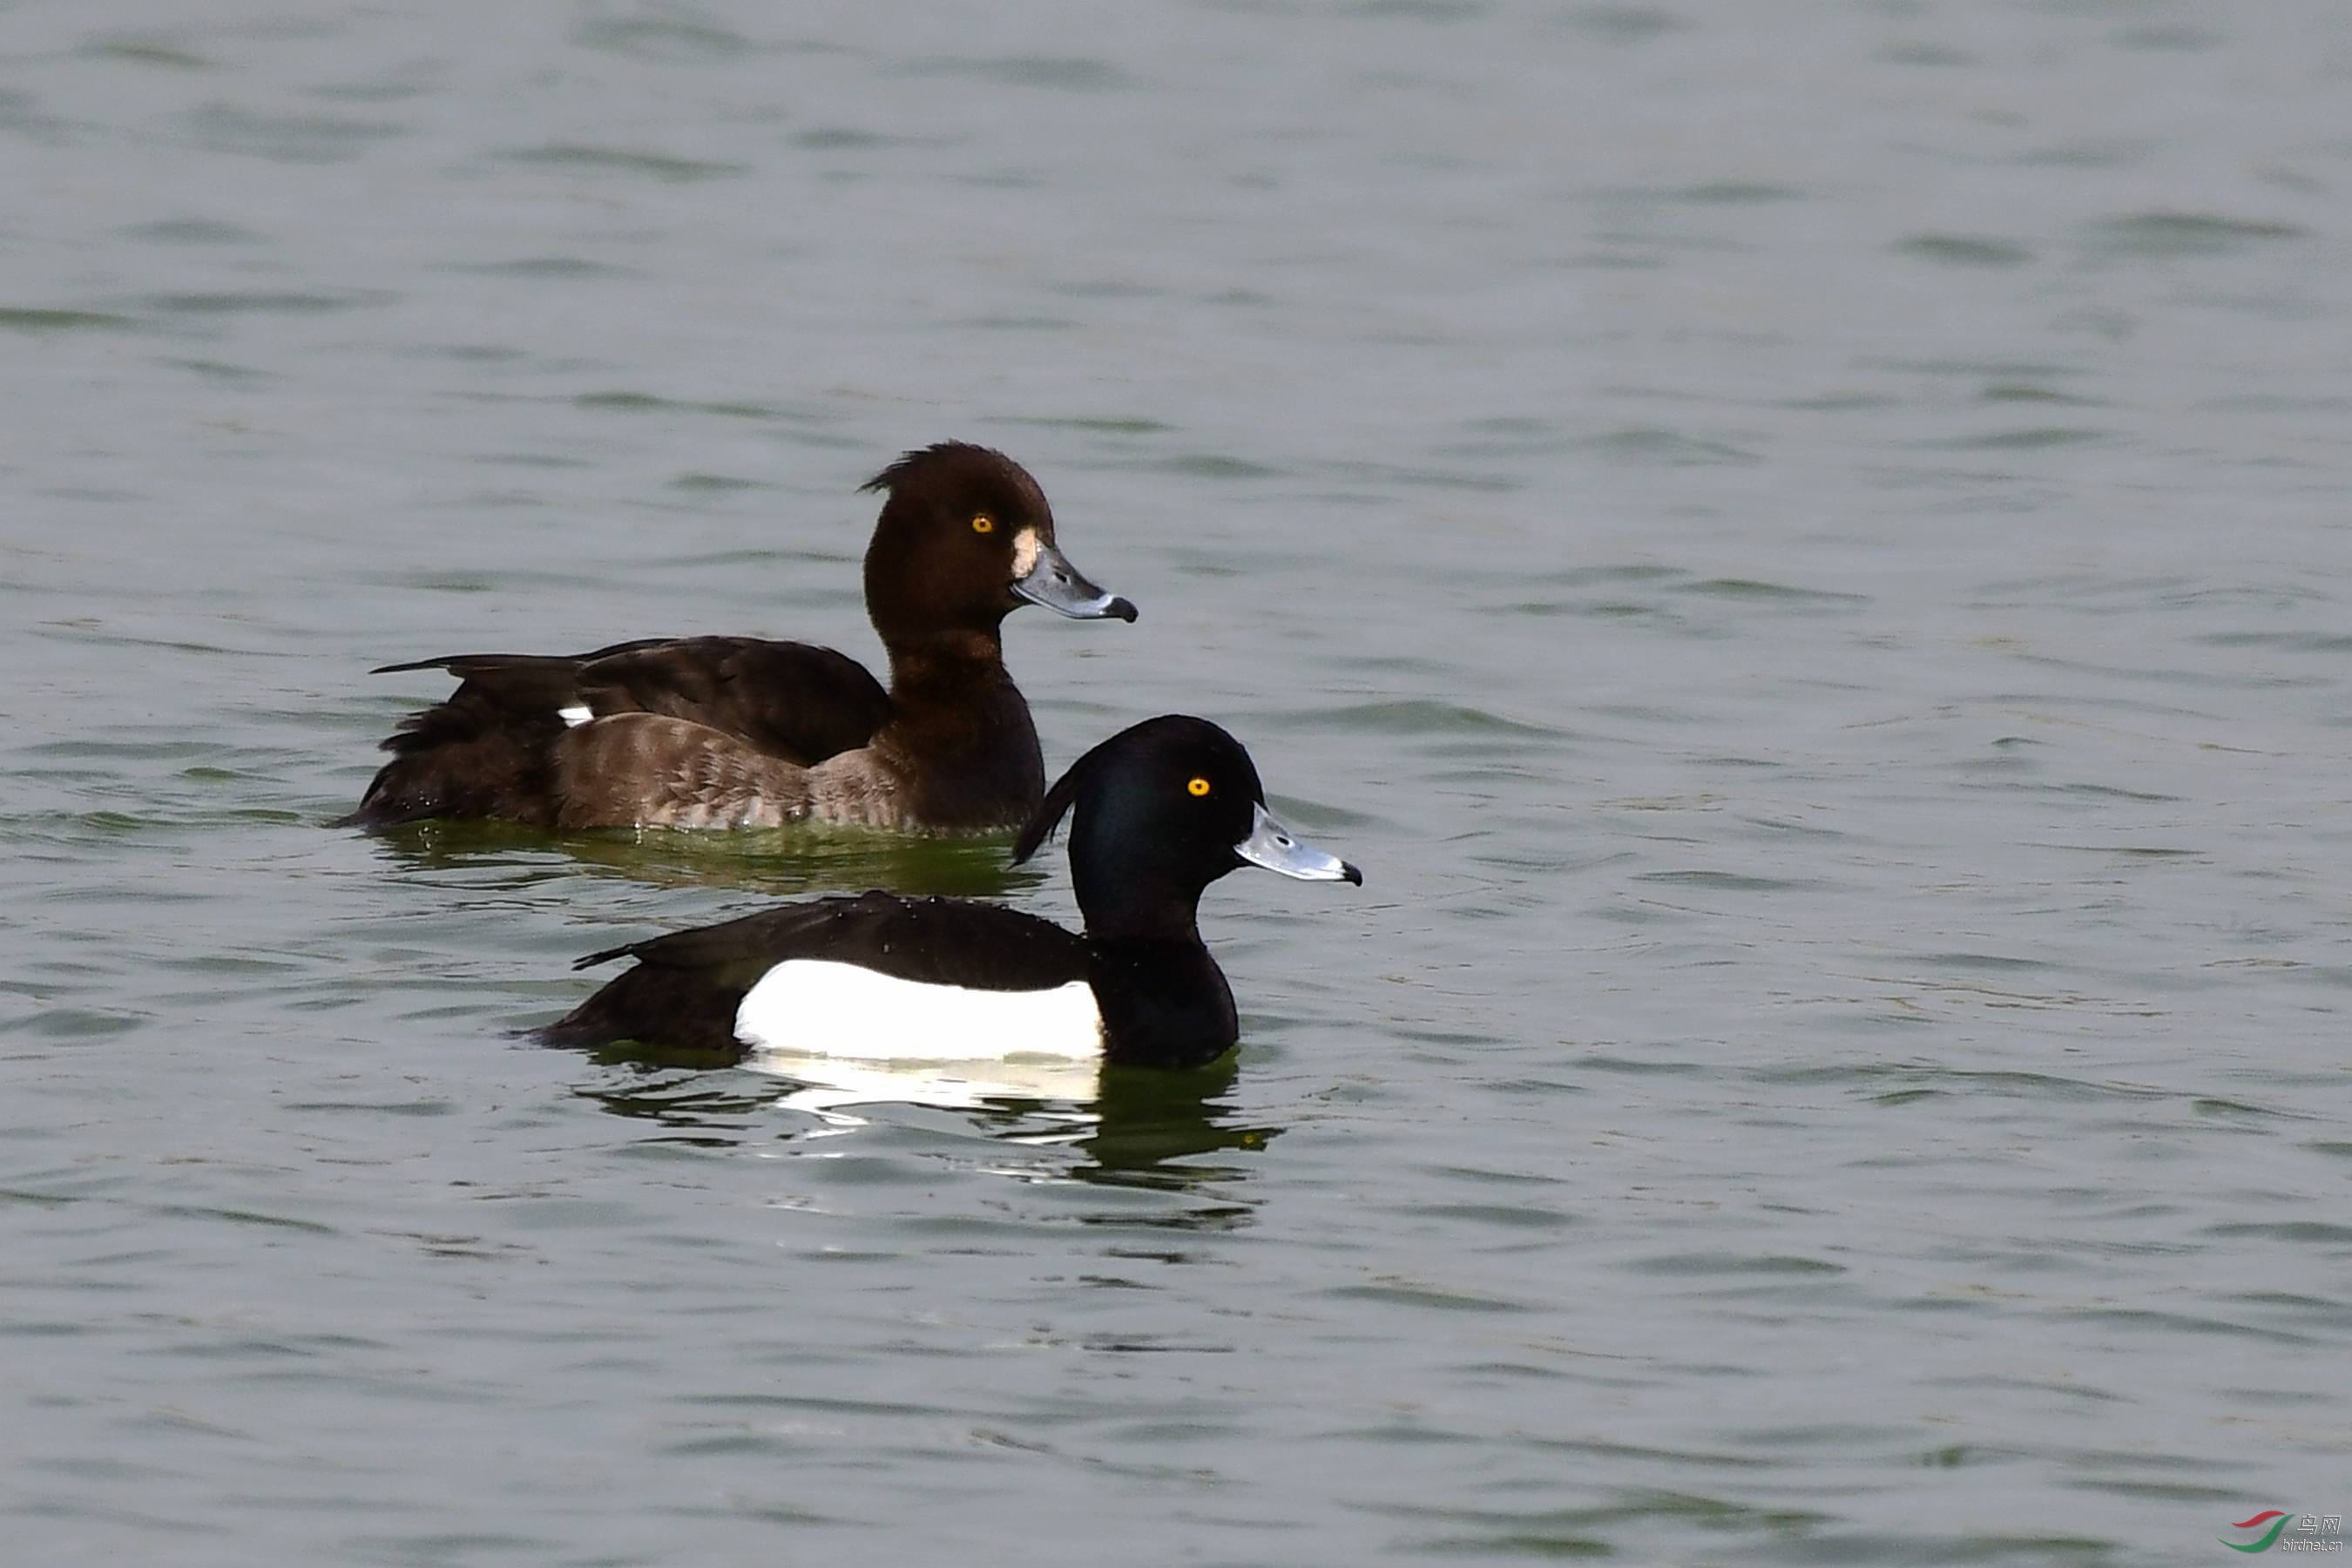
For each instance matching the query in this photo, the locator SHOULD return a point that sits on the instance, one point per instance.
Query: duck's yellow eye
(983, 524)
(1198, 786)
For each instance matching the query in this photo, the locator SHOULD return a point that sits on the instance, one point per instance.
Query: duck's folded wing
(944, 942)
(790, 699)
(684, 987)
(489, 749)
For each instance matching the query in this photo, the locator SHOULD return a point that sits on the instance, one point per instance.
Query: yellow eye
(1198, 786)
(983, 524)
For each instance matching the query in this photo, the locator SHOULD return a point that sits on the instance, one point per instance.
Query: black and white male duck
(1157, 813)
(741, 733)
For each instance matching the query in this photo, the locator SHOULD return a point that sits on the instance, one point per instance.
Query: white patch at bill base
(579, 714)
(1024, 553)
(817, 1007)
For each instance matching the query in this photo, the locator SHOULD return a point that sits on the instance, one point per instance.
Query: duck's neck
(960, 733)
(955, 655)
(1164, 1002)
(1134, 902)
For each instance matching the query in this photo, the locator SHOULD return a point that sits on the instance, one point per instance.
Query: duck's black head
(1159, 811)
(964, 539)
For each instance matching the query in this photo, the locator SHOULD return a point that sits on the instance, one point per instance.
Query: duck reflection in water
(1125, 1126)
(780, 863)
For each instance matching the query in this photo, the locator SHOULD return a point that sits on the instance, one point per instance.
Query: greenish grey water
(1802, 547)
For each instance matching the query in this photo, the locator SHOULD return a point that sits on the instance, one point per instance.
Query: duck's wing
(486, 751)
(792, 700)
(684, 987)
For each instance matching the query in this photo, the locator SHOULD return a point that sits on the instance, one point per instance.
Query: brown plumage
(745, 732)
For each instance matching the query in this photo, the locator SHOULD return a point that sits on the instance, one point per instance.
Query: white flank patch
(1024, 553)
(577, 715)
(816, 1007)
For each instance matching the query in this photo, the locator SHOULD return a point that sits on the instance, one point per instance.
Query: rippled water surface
(1804, 547)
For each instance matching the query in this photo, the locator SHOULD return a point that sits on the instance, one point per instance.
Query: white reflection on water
(832, 1087)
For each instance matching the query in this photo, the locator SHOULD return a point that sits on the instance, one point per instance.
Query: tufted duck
(740, 733)
(1157, 812)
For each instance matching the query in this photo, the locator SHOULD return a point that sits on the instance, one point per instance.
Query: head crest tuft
(919, 458)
